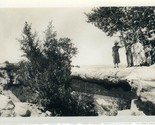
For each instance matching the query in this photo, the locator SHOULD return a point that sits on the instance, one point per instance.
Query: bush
(11, 70)
(47, 73)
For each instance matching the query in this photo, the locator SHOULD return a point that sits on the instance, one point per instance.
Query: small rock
(6, 103)
(135, 110)
(48, 113)
(21, 109)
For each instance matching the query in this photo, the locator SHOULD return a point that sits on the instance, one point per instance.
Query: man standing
(129, 55)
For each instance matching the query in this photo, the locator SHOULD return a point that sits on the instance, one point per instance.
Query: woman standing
(115, 54)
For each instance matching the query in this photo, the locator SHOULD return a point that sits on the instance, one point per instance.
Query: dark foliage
(10, 68)
(47, 74)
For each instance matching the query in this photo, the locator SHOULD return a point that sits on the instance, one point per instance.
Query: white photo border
(134, 120)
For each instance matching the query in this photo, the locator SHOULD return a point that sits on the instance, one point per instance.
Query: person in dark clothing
(129, 55)
(115, 54)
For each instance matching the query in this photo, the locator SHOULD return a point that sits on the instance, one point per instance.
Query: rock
(124, 113)
(134, 108)
(147, 86)
(133, 73)
(11, 106)
(22, 109)
(9, 94)
(148, 97)
(140, 79)
(152, 66)
(35, 112)
(28, 109)
(3, 81)
(48, 113)
(6, 103)
(106, 106)
(6, 106)
(7, 113)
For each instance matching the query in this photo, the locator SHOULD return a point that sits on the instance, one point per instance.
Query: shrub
(47, 73)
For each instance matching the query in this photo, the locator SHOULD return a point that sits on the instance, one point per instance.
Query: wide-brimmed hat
(116, 42)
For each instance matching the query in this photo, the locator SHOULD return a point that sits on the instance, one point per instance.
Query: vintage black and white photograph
(77, 61)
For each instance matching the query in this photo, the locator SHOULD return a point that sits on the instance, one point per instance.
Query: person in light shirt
(138, 54)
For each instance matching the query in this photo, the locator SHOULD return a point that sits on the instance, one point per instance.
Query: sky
(94, 47)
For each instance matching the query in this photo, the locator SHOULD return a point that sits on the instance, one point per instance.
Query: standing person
(115, 54)
(138, 54)
(128, 46)
(148, 54)
(129, 55)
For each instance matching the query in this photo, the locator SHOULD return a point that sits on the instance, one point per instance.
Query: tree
(47, 73)
(139, 22)
(49, 64)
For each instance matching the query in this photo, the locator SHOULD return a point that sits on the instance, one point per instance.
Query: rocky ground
(11, 106)
(135, 83)
(120, 91)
